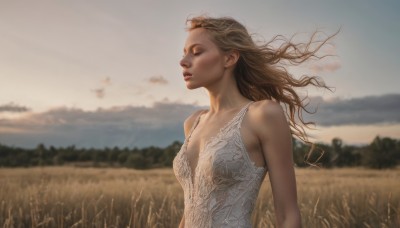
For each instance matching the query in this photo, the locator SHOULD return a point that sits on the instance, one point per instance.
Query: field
(107, 197)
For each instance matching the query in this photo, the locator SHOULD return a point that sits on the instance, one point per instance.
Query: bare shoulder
(189, 121)
(266, 117)
(267, 109)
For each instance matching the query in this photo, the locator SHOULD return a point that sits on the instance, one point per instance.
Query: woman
(245, 134)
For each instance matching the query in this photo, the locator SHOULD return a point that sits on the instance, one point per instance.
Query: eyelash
(195, 54)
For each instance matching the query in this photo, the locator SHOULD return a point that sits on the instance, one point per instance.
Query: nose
(185, 63)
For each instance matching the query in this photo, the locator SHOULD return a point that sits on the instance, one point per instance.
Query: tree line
(382, 152)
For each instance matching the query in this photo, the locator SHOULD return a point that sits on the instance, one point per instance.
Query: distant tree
(40, 153)
(123, 157)
(397, 156)
(299, 152)
(53, 156)
(86, 155)
(137, 161)
(170, 153)
(152, 154)
(342, 155)
(305, 155)
(69, 154)
(380, 153)
(113, 155)
(22, 159)
(5, 152)
(323, 155)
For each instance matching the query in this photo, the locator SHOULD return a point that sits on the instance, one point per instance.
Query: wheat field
(118, 197)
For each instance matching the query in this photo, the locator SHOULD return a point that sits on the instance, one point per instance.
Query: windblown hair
(260, 72)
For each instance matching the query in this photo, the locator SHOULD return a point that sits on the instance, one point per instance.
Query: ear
(231, 58)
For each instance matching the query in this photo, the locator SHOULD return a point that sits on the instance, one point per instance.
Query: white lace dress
(227, 181)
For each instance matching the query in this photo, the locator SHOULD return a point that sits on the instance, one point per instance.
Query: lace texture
(226, 182)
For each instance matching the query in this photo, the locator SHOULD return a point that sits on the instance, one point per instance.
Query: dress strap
(236, 119)
(243, 112)
(195, 124)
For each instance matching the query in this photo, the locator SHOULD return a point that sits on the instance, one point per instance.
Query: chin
(191, 86)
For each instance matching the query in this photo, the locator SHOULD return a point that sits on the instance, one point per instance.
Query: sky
(102, 73)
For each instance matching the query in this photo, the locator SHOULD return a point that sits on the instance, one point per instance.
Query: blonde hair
(260, 72)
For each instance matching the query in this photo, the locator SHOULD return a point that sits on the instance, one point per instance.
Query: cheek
(210, 62)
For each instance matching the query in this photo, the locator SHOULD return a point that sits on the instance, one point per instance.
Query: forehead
(198, 36)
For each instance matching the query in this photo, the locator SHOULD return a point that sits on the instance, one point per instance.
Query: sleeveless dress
(226, 181)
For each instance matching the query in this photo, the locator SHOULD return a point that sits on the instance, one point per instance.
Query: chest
(221, 160)
(201, 136)
(223, 144)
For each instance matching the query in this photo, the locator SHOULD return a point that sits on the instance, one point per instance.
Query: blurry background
(106, 73)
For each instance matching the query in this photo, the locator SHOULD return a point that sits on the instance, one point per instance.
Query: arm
(274, 133)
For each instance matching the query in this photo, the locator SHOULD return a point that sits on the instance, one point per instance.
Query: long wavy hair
(260, 72)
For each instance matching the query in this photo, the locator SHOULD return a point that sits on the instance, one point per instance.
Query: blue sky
(69, 67)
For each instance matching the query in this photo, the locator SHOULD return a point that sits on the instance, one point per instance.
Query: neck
(224, 95)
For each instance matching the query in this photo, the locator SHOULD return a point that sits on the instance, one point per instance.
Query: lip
(187, 75)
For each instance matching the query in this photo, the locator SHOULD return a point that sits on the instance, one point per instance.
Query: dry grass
(89, 197)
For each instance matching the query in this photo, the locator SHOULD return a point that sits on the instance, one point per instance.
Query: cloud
(106, 81)
(11, 107)
(158, 80)
(355, 111)
(330, 48)
(100, 92)
(328, 62)
(327, 67)
(162, 123)
(118, 126)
